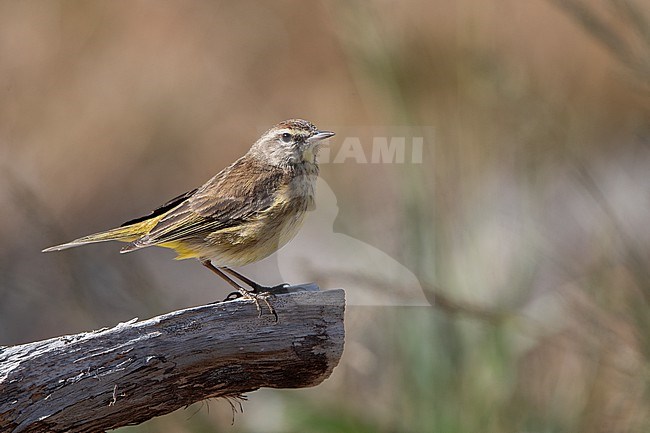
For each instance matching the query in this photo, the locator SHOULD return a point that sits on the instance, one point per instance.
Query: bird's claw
(255, 297)
(232, 296)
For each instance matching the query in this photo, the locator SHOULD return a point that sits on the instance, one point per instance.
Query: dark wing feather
(162, 209)
(232, 197)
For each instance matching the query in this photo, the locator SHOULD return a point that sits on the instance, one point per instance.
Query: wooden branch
(125, 375)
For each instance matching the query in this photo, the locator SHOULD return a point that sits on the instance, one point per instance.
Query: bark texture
(104, 379)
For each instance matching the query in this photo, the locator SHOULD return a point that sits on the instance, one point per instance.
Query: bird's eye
(286, 137)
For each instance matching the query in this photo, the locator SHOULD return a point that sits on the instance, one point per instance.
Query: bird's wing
(235, 195)
(163, 208)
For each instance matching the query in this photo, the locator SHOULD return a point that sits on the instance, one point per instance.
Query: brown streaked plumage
(243, 214)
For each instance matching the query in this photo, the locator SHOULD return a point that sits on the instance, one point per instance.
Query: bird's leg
(257, 288)
(246, 294)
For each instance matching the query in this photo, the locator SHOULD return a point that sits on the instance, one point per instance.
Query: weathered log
(125, 375)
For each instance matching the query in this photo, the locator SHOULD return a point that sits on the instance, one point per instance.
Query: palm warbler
(243, 214)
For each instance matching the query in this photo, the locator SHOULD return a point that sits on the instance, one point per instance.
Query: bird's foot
(257, 297)
(258, 288)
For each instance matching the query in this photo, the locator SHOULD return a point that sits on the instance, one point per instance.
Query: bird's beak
(320, 135)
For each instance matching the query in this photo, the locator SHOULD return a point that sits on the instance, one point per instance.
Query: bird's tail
(123, 234)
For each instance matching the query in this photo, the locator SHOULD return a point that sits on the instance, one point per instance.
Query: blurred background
(525, 223)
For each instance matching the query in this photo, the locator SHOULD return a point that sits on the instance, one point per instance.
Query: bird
(243, 214)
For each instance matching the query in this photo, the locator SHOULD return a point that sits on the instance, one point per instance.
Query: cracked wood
(125, 375)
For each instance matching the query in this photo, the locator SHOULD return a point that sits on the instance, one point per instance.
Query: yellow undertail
(122, 234)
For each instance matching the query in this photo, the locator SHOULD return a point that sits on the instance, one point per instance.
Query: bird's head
(290, 142)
